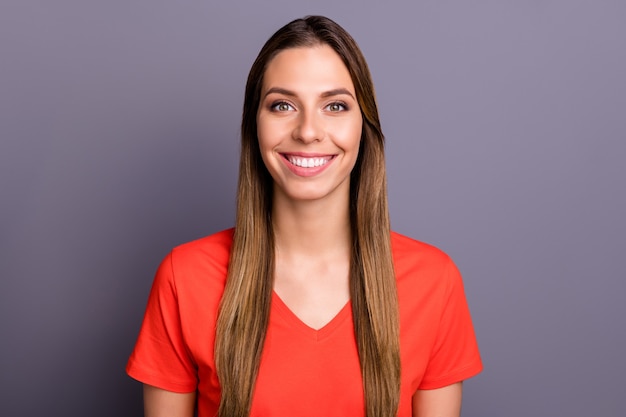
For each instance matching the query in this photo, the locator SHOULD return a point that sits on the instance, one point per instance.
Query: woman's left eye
(336, 106)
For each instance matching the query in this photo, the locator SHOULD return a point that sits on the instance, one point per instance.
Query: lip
(308, 171)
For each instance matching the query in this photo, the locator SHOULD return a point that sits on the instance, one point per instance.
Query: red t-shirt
(303, 372)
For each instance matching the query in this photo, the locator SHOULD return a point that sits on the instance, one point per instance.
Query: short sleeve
(160, 357)
(454, 356)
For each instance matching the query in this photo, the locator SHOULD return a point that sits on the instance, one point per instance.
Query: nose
(309, 128)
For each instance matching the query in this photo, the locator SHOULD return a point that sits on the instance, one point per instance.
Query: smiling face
(309, 124)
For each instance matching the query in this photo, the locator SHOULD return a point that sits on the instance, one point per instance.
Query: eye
(337, 106)
(281, 106)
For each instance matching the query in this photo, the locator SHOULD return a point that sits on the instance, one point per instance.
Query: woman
(311, 305)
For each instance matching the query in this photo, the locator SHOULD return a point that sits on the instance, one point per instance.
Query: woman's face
(309, 124)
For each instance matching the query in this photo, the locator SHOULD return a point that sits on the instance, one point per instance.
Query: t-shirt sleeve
(160, 357)
(455, 356)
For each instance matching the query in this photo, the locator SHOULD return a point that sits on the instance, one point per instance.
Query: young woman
(310, 306)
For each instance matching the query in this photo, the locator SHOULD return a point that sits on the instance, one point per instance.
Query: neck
(312, 227)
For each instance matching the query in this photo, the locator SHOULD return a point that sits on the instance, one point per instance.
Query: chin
(314, 192)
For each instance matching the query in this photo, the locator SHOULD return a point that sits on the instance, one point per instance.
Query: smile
(303, 162)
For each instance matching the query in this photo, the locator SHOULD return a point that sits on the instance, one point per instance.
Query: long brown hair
(245, 306)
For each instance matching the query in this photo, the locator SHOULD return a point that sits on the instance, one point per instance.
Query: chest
(308, 371)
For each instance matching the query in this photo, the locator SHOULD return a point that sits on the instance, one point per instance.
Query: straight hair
(245, 306)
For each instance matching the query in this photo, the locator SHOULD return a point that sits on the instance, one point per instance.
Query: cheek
(351, 135)
(269, 134)
(265, 150)
(266, 137)
(265, 140)
(356, 140)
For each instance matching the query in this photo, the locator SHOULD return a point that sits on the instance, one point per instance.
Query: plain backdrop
(506, 145)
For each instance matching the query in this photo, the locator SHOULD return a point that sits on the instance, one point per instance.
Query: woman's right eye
(281, 106)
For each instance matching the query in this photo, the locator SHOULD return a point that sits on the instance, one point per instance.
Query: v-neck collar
(279, 306)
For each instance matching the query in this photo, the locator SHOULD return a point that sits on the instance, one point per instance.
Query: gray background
(506, 136)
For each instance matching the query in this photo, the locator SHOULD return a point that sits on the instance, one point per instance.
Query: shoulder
(214, 248)
(219, 241)
(422, 267)
(410, 252)
(195, 261)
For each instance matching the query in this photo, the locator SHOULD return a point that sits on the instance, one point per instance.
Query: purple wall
(506, 128)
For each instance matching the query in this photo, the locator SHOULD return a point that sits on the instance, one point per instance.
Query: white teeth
(307, 162)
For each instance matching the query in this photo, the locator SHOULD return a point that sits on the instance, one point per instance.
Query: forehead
(308, 68)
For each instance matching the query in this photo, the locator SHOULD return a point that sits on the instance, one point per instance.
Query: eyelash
(274, 106)
(344, 107)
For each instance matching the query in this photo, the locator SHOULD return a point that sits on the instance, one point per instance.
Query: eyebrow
(329, 93)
